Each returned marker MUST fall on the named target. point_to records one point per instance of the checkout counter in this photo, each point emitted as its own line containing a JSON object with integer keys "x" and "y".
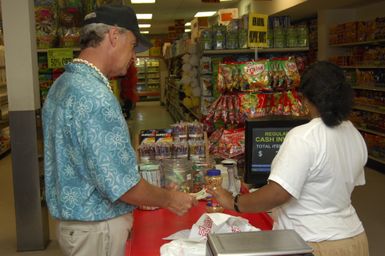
{"x": 150, "y": 227}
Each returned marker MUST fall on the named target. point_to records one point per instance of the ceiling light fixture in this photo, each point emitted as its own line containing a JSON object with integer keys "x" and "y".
{"x": 143, "y": 1}
{"x": 145, "y": 32}
{"x": 187, "y": 30}
{"x": 188, "y": 24}
{"x": 144, "y": 25}
{"x": 204, "y": 14}
{"x": 222, "y": 0}
{"x": 144, "y": 16}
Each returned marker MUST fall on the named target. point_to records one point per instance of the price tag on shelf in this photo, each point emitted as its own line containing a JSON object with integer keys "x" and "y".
{"x": 57, "y": 57}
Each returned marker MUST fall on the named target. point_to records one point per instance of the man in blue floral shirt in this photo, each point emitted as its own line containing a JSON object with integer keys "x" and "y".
{"x": 91, "y": 176}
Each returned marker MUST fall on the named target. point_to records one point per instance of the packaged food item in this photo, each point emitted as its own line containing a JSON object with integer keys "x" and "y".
{"x": 228, "y": 77}
{"x": 146, "y": 152}
{"x": 196, "y": 149}
{"x": 180, "y": 149}
{"x": 206, "y": 39}
{"x": 163, "y": 150}
{"x": 195, "y": 130}
{"x": 205, "y": 65}
{"x": 255, "y": 75}
{"x": 231, "y": 144}
{"x": 213, "y": 179}
{"x": 179, "y": 131}
{"x": 219, "y": 37}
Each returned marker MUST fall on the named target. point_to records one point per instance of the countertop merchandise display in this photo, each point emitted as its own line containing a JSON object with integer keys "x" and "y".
{"x": 364, "y": 66}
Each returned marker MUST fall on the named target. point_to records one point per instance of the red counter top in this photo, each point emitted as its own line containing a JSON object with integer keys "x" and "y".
{"x": 151, "y": 226}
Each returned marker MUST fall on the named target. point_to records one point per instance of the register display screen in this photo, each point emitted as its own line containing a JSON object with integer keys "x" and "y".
{"x": 266, "y": 143}
{"x": 263, "y": 138}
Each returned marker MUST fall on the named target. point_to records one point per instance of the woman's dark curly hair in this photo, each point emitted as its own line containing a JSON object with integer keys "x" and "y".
{"x": 325, "y": 86}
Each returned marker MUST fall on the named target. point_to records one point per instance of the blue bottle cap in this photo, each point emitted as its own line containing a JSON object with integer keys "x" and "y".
{"x": 214, "y": 172}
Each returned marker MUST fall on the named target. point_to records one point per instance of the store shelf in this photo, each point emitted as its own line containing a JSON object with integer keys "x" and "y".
{"x": 252, "y": 50}
{"x": 371, "y": 131}
{"x": 364, "y": 67}
{"x": 369, "y": 109}
{"x": 75, "y": 49}
{"x": 371, "y": 42}
{"x": 379, "y": 87}
{"x": 148, "y": 93}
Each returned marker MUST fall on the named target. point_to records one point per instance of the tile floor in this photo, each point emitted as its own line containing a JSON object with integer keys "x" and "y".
{"x": 369, "y": 200}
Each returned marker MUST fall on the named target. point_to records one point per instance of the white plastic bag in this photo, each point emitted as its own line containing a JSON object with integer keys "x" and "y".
{"x": 193, "y": 242}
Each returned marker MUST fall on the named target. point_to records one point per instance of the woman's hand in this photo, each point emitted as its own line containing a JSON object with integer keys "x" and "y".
{"x": 224, "y": 197}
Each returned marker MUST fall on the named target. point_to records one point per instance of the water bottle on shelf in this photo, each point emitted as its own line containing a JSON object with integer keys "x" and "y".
{"x": 213, "y": 178}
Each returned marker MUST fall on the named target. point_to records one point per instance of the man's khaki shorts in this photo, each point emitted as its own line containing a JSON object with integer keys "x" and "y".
{"x": 104, "y": 238}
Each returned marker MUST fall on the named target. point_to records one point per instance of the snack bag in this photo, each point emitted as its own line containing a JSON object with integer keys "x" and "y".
{"x": 228, "y": 77}
{"x": 255, "y": 75}
{"x": 293, "y": 78}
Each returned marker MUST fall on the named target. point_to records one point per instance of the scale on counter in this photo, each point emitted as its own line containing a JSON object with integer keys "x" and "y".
{"x": 257, "y": 243}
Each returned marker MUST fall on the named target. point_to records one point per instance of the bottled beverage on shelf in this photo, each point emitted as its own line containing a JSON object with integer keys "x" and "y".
{"x": 213, "y": 178}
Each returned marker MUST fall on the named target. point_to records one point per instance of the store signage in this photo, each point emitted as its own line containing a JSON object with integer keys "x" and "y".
{"x": 58, "y": 57}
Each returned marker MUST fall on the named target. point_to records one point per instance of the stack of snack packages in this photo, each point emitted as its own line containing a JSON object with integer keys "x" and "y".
{"x": 184, "y": 140}
{"x": 250, "y": 89}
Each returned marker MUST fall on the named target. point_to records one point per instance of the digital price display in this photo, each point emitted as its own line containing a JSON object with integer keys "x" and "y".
{"x": 263, "y": 139}
{"x": 266, "y": 144}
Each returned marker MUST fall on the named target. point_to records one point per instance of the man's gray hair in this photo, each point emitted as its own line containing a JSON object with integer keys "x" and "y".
{"x": 92, "y": 35}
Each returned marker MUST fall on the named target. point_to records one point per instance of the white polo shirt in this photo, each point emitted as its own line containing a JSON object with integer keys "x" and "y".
{"x": 320, "y": 166}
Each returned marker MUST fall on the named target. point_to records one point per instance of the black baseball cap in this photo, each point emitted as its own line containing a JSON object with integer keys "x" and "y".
{"x": 121, "y": 16}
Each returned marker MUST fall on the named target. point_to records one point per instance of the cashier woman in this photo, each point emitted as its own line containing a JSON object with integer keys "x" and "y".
{"x": 315, "y": 171}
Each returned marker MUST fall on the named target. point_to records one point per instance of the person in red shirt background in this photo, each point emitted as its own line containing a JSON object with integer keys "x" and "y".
{"x": 128, "y": 92}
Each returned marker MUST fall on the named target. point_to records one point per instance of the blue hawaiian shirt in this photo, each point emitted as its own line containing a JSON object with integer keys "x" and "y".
{"x": 88, "y": 158}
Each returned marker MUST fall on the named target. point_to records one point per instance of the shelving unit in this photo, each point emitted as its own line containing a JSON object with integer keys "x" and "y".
{"x": 373, "y": 132}
{"x": 253, "y": 50}
{"x": 148, "y": 78}
{"x": 5, "y": 145}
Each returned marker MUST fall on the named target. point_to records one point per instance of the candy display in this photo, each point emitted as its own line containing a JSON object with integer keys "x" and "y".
{"x": 224, "y": 112}
{"x": 200, "y": 168}
{"x": 177, "y": 174}
{"x": 46, "y": 24}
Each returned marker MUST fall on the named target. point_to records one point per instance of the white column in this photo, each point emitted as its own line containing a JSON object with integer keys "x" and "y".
{"x": 24, "y": 101}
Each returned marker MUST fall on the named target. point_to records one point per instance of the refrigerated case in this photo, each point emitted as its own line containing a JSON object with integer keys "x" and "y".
{"x": 148, "y": 78}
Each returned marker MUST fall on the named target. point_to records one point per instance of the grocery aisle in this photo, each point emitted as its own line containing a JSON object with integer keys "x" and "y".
{"x": 368, "y": 200}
